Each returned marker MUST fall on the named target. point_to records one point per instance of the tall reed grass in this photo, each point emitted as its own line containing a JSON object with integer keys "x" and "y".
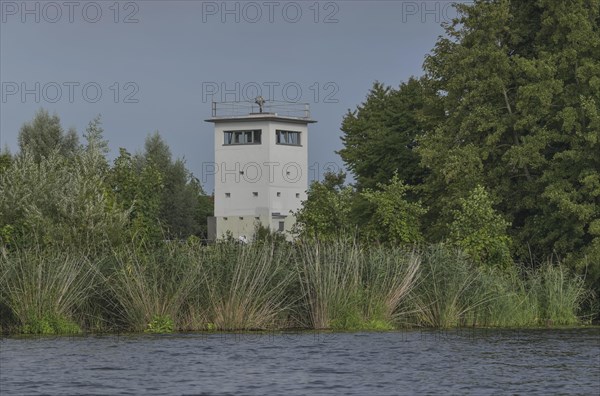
{"x": 330, "y": 283}
{"x": 150, "y": 285}
{"x": 347, "y": 287}
{"x": 46, "y": 289}
{"x": 274, "y": 285}
{"x": 452, "y": 291}
{"x": 244, "y": 286}
{"x": 389, "y": 275}
{"x": 511, "y": 301}
{"x": 559, "y": 294}
{"x": 449, "y": 289}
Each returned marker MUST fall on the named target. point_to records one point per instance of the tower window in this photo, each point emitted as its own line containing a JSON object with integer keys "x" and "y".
{"x": 255, "y": 194}
{"x": 242, "y": 137}
{"x": 278, "y": 194}
{"x": 297, "y": 195}
{"x": 227, "y": 195}
{"x": 291, "y": 138}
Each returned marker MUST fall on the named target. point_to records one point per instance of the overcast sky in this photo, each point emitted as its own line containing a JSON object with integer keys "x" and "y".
{"x": 149, "y": 65}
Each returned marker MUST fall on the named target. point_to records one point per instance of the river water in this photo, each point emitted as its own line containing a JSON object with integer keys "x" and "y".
{"x": 478, "y": 362}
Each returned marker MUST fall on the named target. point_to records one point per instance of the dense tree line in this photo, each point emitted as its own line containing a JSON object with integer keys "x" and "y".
{"x": 57, "y": 191}
{"x": 495, "y": 148}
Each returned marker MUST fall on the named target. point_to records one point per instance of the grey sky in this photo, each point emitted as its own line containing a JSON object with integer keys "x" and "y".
{"x": 177, "y": 50}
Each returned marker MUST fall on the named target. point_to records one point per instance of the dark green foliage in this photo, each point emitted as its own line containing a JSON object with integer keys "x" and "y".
{"x": 395, "y": 219}
{"x": 183, "y": 205}
{"x": 386, "y": 215}
{"x": 380, "y": 136}
{"x": 520, "y": 85}
{"x": 56, "y": 191}
{"x": 326, "y": 211}
{"x": 264, "y": 234}
{"x": 58, "y": 201}
{"x": 160, "y": 325}
{"x": 509, "y": 101}
{"x": 481, "y": 232}
{"x": 138, "y": 189}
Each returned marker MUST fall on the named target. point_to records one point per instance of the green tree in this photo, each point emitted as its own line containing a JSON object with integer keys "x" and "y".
{"x": 380, "y": 136}
{"x": 59, "y": 201}
{"x": 44, "y": 135}
{"x": 6, "y": 159}
{"x": 94, "y": 136}
{"x": 480, "y": 231}
{"x": 394, "y": 219}
{"x": 139, "y": 191}
{"x": 184, "y": 206}
{"x": 180, "y": 201}
{"x": 519, "y": 83}
{"x": 326, "y": 211}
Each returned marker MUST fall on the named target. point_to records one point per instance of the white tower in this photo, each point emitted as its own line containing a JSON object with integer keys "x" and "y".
{"x": 261, "y": 166}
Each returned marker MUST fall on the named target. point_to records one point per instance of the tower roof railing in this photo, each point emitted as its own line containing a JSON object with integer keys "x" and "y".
{"x": 278, "y": 108}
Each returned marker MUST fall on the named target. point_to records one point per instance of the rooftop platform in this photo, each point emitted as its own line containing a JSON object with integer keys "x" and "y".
{"x": 269, "y": 110}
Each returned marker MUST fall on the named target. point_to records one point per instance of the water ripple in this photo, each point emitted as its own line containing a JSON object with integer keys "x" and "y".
{"x": 479, "y": 362}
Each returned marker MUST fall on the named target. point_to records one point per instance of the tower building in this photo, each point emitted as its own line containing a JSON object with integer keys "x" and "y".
{"x": 261, "y": 166}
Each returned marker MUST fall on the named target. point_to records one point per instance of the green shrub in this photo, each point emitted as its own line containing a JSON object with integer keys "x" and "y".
{"x": 160, "y": 325}
{"x": 480, "y": 231}
{"x": 50, "y": 325}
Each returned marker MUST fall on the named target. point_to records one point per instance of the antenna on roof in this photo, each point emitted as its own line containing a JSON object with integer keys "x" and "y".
{"x": 260, "y": 102}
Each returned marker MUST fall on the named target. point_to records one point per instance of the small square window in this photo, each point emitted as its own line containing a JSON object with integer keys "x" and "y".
{"x": 227, "y": 195}
{"x": 255, "y": 194}
{"x": 281, "y": 226}
{"x": 297, "y": 195}
{"x": 257, "y": 218}
{"x": 278, "y": 194}
{"x": 241, "y": 218}
{"x": 225, "y": 218}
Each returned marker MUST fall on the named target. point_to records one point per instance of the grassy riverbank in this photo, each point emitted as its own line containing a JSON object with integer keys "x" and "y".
{"x": 311, "y": 285}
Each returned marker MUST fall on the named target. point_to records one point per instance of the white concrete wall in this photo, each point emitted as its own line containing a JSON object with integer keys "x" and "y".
{"x": 278, "y": 173}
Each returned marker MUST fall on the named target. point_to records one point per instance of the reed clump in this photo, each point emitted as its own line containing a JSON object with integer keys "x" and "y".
{"x": 243, "y": 286}
{"x": 346, "y": 286}
{"x": 340, "y": 285}
{"x": 448, "y": 291}
{"x": 45, "y": 289}
{"x": 559, "y": 294}
{"x": 150, "y": 285}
